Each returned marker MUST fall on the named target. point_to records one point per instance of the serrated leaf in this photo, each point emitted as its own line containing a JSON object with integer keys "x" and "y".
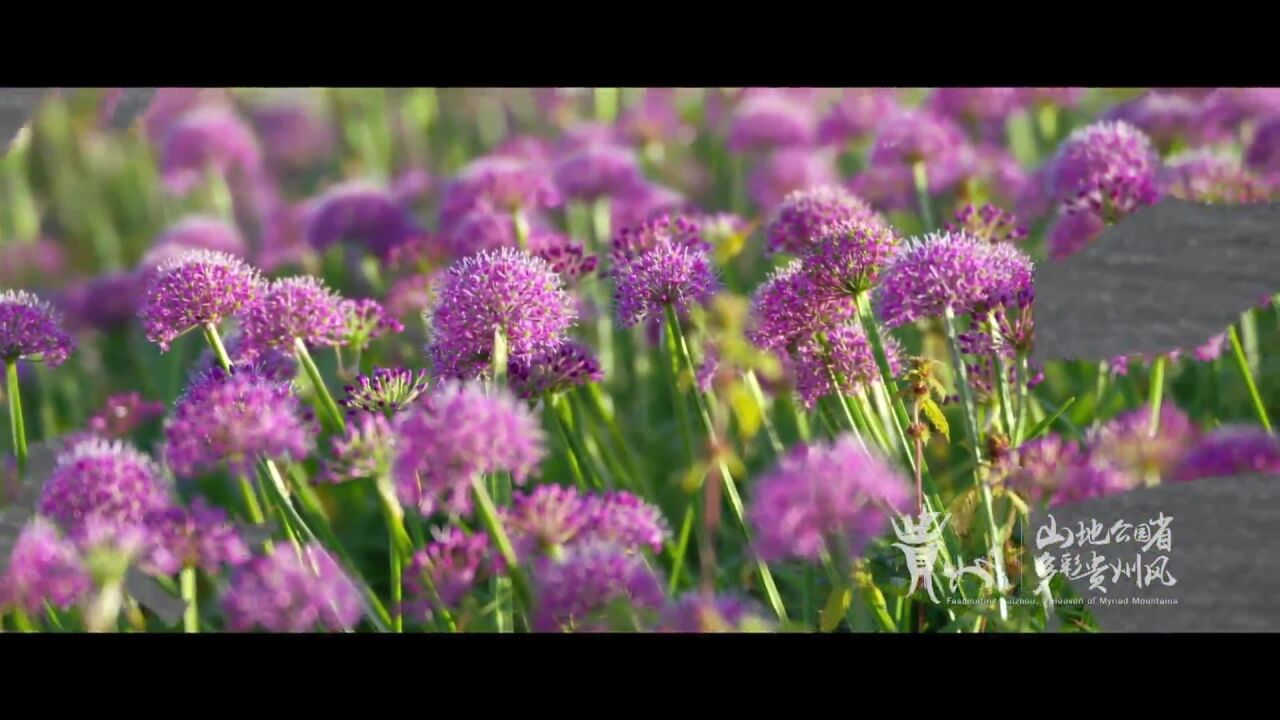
{"x": 963, "y": 510}
{"x": 837, "y": 606}
{"x": 937, "y": 386}
{"x": 936, "y": 417}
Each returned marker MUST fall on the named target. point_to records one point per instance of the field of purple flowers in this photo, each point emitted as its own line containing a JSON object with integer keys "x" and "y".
{"x": 587, "y": 360}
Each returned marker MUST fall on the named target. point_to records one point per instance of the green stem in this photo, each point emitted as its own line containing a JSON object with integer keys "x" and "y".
{"x": 1243, "y": 364}
{"x": 17, "y": 428}
{"x": 920, "y": 175}
{"x": 251, "y": 501}
{"x": 1022, "y": 376}
{"x": 971, "y": 433}
{"x": 1249, "y": 337}
{"x": 730, "y": 486}
{"x": 681, "y": 549}
{"x": 336, "y": 420}
{"x": 556, "y": 409}
{"x": 488, "y": 513}
{"x": 757, "y": 394}
{"x": 1155, "y": 396}
{"x": 522, "y": 229}
{"x": 191, "y": 616}
{"x": 215, "y": 342}
{"x": 400, "y": 548}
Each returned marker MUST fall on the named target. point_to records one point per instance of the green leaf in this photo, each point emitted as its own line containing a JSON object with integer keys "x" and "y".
{"x": 837, "y": 606}
{"x": 1043, "y": 425}
{"x": 963, "y": 509}
{"x": 936, "y": 418}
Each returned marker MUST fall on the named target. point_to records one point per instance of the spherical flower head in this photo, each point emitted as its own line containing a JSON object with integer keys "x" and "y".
{"x": 842, "y": 351}
{"x": 32, "y": 263}
{"x": 210, "y": 137}
{"x": 698, "y": 613}
{"x": 122, "y": 414}
{"x": 585, "y": 134}
{"x": 386, "y": 390}
{"x": 30, "y": 329}
{"x": 917, "y": 136}
{"x": 552, "y": 371}
{"x": 858, "y": 112}
{"x": 1036, "y": 469}
{"x": 296, "y": 308}
{"x": 632, "y": 241}
{"x": 412, "y": 294}
{"x": 199, "y": 288}
{"x": 546, "y": 520}
{"x": 1092, "y": 478}
{"x": 505, "y": 291}
{"x": 996, "y": 170}
{"x": 454, "y": 563}
{"x": 1225, "y": 110}
{"x": 200, "y": 232}
{"x": 825, "y": 493}
{"x": 1072, "y": 232}
{"x": 670, "y": 275}
{"x": 643, "y": 202}
{"x": 1230, "y": 451}
{"x": 44, "y": 567}
{"x": 626, "y": 520}
{"x": 847, "y": 261}
{"x": 1211, "y": 177}
{"x": 807, "y": 216}
{"x": 654, "y": 119}
{"x": 362, "y": 213}
{"x": 104, "y": 302}
{"x": 573, "y": 592}
{"x": 598, "y": 170}
{"x": 456, "y": 432}
{"x": 790, "y": 170}
{"x": 235, "y": 418}
{"x": 100, "y": 478}
{"x": 789, "y": 307}
{"x": 366, "y": 320}
{"x": 890, "y": 188}
{"x": 296, "y": 132}
{"x": 480, "y": 228}
{"x": 1263, "y": 153}
{"x": 976, "y": 104}
{"x": 1125, "y": 440}
{"x": 363, "y": 451}
{"x": 1165, "y": 117}
{"x": 282, "y": 592}
{"x": 1097, "y": 153}
{"x": 503, "y": 183}
{"x": 989, "y": 223}
{"x": 944, "y": 272}
{"x": 771, "y": 120}
{"x": 199, "y": 536}
{"x": 565, "y": 255}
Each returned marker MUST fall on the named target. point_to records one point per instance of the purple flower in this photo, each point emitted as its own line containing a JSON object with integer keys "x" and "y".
{"x": 948, "y": 272}
{"x": 698, "y": 613}
{"x": 553, "y": 517}
{"x": 198, "y": 288}
{"x": 411, "y": 295}
{"x": 1210, "y": 177}
{"x": 585, "y": 134}
{"x": 32, "y": 263}
{"x": 296, "y": 131}
{"x": 820, "y": 494}
{"x": 454, "y": 564}
{"x": 502, "y": 183}
{"x": 366, "y": 319}
{"x": 989, "y": 223}
{"x": 283, "y": 240}
{"x": 1072, "y": 232}
{"x": 858, "y": 112}
{"x": 919, "y": 136}
{"x": 362, "y": 213}
{"x": 626, "y": 520}
{"x": 1106, "y": 160}
{"x": 199, "y": 232}
{"x": 598, "y": 170}
{"x": 363, "y": 451}
{"x": 790, "y": 170}
{"x": 1061, "y": 96}
{"x": 209, "y": 138}
{"x": 236, "y": 419}
{"x": 574, "y": 591}
{"x": 997, "y": 170}
{"x": 479, "y": 229}
{"x": 643, "y": 202}
{"x": 1165, "y": 117}
{"x": 807, "y": 216}
{"x": 789, "y": 307}
{"x": 565, "y": 255}
{"x": 506, "y": 291}
{"x": 458, "y": 431}
{"x": 848, "y": 258}
{"x": 1089, "y": 479}
{"x": 771, "y": 120}
{"x": 1036, "y": 469}
{"x": 1226, "y": 111}
{"x": 30, "y": 329}
{"x": 1263, "y": 153}
{"x": 669, "y": 275}
{"x": 296, "y": 308}
{"x": 104, "y": 302}
{"x": 199, "y": 536}
{"x": 122, "y": 414}
{"x": 44, "y": 567}
{"x": 99, "y": 478}
{"x": 553, "y": 371}
{"x": 842, "y": 351}
{"x": 632, "y": 241}
{"x": 282, "y": 592}
{"x": 1230, "y": 451}
{"x": 976, "y": 105}
{"x": 412, "y": 186}
{"x": 1124, "y": 441}
{"x": 386, "y": 390}
{"x": 654, "y": 119}
{"x": 890, "y": 187}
